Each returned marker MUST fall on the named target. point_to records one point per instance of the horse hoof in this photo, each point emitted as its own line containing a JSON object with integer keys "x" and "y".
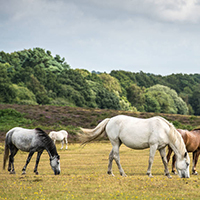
{"x": 149, "y": 175}
{"x": 23, "y": 172}
{"x": 110, "y": 173}
{"x": 12, "y": 172}
{"x": 195, "y": 173}
{"x": 36, "y": 173}
{"x": 168, "y": 176}
{"x": 124, "y": 175}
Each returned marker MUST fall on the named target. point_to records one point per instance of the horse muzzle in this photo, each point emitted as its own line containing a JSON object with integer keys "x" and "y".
{"x": 57, "y": 172}
{"x": 185, "y": 175}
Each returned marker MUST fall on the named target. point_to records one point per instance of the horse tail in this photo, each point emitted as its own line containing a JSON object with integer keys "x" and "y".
{"x": 92, "y": 134}
{"x": 6, "y": 154}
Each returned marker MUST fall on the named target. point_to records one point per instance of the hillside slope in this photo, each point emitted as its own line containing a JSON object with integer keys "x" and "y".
{"x": 47, "y": 115}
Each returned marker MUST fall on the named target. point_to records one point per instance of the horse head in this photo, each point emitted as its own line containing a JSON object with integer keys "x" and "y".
{"x": 55, "y": 164}
{"x": 182, "y": 166}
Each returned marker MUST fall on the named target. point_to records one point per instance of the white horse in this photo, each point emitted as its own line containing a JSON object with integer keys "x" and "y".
{"x": 154, "y": 133}
{"x": 59, "y": 136}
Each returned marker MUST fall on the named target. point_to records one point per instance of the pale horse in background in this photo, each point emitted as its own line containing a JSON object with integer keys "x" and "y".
{"x": 59, "y": 136}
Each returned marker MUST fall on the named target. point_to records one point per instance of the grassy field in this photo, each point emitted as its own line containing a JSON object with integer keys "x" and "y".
{"x": 83, "y": 176}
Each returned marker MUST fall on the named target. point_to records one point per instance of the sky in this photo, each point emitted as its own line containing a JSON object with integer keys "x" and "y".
{"x": 153, "y": 36}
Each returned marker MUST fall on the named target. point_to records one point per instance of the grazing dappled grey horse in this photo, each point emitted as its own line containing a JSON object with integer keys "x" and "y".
{"x": 136, "y": 133}
{"x": 30, "y": 140}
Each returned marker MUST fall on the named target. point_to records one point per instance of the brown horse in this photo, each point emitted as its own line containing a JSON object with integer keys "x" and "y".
{"x": 192, "y": 143}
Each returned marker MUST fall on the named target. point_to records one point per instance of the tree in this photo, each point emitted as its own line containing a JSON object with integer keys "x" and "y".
{"x": 106, "y": 99}
{"x": 72, "y": 95}
{"x": 110, "y": 83}
{"x": 101, "y": 97}
{"x": 39, "y": 90}
{"x": 126, "y": 105}
{"x": 166, "y": 103}
{"x": 51, "y": 82}
{"x": 151, "y": 103}
{"x": 194, "y": 100}
{"x": 135, "y": 96}
{"x": 168, "y": 99}
{"x": 7, "y": 93}
{"x": 74, "y": 79}
{"x": 24, "y": 95}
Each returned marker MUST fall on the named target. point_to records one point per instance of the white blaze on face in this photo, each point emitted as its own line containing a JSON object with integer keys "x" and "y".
{"x": 182, "y": 167}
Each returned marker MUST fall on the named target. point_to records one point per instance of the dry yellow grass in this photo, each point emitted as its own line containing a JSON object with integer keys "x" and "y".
{"x": 83, "y": 176}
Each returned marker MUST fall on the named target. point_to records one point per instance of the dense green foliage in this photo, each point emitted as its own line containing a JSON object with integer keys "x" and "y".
{"x": 10, "y": 118}
{"x": 34, "y": 77}
{"x": 184, "y": 85}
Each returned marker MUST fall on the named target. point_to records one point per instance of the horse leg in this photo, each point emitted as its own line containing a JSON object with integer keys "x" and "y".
{"x": 27, "y": 161}
{"x": 151, "y": 157}
{"x": 66, "y": 143}
{"x": 173, "y": 164}
{"x": 13, "y": 151}
{"x": 37, "y": 162}
{"x": 114, "y": 154}
{"x": 62, "y": 142}
{"x": 164, "y": 160}
{"x": 111, "y": 157}
{"x": 117, "y": 160}
{"x": 195, "y": 159}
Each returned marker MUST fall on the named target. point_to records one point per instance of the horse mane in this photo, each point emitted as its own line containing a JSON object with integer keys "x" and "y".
{"x": 175, "y": 138}
{"x": 46, "y": 140}
{"x": 196, "y": 129}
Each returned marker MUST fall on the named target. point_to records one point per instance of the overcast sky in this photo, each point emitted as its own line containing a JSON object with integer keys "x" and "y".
{"x": 153, "y": 36}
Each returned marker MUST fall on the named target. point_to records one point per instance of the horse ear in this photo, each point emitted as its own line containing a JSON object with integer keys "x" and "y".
{"x": 185, "y": 155}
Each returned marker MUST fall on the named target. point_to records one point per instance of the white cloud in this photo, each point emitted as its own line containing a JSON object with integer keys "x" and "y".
{"x": 180, "y": 11}
{"x": 170, "y": 10}
{"x": 133, "y": 35}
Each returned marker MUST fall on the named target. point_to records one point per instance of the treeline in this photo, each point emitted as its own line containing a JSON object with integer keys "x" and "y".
{"x": 34, "y": 77}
